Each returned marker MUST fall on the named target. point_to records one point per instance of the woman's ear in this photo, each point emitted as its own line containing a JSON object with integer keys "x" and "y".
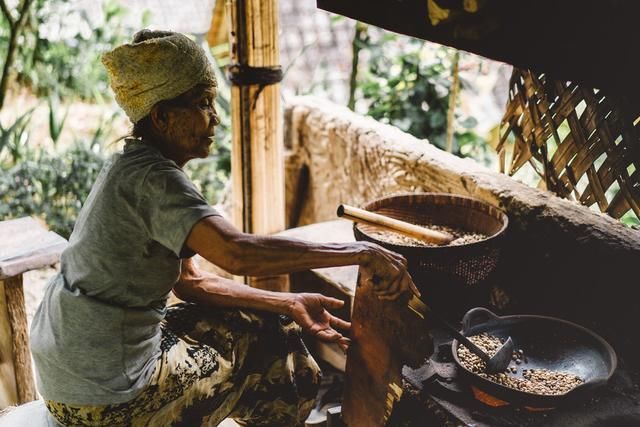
{"x": 159, "y": 117}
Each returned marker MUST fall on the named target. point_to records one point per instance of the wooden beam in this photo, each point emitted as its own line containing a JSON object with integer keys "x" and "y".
{"x": 8, "y": 388}
{"x": 17, "y": 357}
{"x": 21, "y": 351}
{"x": 257, "y": 164}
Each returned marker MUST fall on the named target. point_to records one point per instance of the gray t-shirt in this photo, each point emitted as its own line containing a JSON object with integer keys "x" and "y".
{"x": 96, "y": 335}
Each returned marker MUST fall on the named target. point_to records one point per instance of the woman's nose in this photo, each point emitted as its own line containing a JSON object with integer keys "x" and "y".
{"x": 215, "y": 117}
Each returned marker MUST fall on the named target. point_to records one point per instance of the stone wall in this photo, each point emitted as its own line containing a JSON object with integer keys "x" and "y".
{"x": 559, "y": 258}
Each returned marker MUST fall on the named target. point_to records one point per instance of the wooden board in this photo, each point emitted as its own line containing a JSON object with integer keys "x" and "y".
{"x": 344, "y": 278}
{"x": 25, "y": 244}
{"x": 385, "y": 336}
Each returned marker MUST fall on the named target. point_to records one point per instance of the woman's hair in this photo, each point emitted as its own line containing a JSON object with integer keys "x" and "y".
{"x": 143, "y": 128}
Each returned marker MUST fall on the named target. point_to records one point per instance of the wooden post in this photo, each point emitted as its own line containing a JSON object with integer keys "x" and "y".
{"x": 257, "y": 161}
{"x": 25, "y": 244}
{"x": 8, "y": 388}
{"x": 17, "y": 357}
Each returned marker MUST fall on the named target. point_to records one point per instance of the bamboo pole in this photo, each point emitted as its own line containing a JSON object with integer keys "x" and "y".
{"x": 453, "y": 99}
{"x": 392, "y": 224}
{"x": 257, "y": 165}
{"x": 219, "y": 30}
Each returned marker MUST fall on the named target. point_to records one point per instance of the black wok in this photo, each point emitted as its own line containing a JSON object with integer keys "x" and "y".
{"x": 547, "y": 342}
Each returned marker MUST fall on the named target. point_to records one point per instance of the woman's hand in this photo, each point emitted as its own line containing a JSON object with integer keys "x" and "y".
{"x": 310, "y": 312}
{"x": 387, "y": 272}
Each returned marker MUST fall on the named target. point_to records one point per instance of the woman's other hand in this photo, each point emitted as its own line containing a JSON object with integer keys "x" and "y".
{"x": 310, "y": 311}
{"x": 387, "y": 273}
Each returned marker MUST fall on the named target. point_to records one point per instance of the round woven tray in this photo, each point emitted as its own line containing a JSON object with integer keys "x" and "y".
{"x": 443, "y": 270}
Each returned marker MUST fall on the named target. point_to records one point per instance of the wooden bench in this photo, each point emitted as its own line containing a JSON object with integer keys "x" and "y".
{"x": 337, "y": 282}
{"x": 25, "y": 244}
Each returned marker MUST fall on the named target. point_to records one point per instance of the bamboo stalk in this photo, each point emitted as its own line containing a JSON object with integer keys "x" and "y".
{"x": 257, "y": 135}
{"x": 453, "y": 99}
{"x": 402, "y": 227}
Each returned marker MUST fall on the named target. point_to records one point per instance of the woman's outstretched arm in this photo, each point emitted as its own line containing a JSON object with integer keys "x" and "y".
{"x": 310, "y": 311}
{"x": 218, "y": 241}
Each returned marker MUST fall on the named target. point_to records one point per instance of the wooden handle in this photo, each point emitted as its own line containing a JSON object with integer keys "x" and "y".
{"x": 411, "y": 230}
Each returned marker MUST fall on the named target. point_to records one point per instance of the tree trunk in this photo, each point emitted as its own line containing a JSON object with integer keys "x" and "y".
{"x": 15, "y": 28}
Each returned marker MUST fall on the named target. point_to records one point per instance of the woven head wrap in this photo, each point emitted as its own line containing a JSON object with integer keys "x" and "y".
{"x": 156, "y": 66}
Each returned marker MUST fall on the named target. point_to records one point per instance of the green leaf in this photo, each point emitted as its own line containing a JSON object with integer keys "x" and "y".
{"x": 468, "y": 123}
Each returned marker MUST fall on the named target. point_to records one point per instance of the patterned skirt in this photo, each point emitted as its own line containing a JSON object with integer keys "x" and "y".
{"x": 216, "y": 364}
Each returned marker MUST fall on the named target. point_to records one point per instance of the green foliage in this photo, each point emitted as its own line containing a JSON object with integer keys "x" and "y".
{"x": 407, "y": 84}
{"x": 56, "y": 123}
{"x": 14, "y": 140}
{"x": 211, "y": 174}
{"x": 51, "y": 186}
{"x": 61, "y": 60}
{"x": 631, "y": 220}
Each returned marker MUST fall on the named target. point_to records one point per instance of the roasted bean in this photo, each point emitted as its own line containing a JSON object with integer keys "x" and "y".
{"x": 536, "y": 381}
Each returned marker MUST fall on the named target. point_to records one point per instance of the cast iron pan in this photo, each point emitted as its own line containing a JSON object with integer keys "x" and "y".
{"x": 547, "y": 342}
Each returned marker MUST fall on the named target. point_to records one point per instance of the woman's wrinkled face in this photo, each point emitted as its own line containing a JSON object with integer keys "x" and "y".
{"x": 189, "y": 124}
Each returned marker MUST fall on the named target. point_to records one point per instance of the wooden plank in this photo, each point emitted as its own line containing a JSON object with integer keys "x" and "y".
{"x": 26, "y": 245}
{"x": 343, "y": 279}
{"x": 14, "y": 297}
{"x": 8, "y": 388}
{"x": 385, "y": 336}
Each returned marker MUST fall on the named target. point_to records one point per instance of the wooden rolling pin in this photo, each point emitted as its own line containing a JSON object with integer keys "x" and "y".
{"x": 408, "y": 229}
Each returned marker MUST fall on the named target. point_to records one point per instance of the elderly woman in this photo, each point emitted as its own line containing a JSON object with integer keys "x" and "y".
{"x": 108, "y": 349}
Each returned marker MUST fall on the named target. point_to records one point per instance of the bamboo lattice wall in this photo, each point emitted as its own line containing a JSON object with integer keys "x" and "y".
{"x": 579, "y": 141}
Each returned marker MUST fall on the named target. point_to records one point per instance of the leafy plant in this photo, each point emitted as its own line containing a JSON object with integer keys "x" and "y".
{"x": 407, "y": 83}
{"x": 51, "y": 186}
{"x": 14, "y": 140}
{"x": 56, "y": 123}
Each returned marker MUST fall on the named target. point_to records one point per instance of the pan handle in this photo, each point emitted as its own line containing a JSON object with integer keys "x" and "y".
{"x": 477, "y": 316}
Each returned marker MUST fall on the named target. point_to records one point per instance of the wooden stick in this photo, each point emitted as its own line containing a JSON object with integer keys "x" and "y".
{"x": 411, "y": 230}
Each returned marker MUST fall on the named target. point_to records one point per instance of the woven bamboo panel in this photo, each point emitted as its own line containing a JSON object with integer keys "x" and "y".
{"x": 577, "y": 139}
